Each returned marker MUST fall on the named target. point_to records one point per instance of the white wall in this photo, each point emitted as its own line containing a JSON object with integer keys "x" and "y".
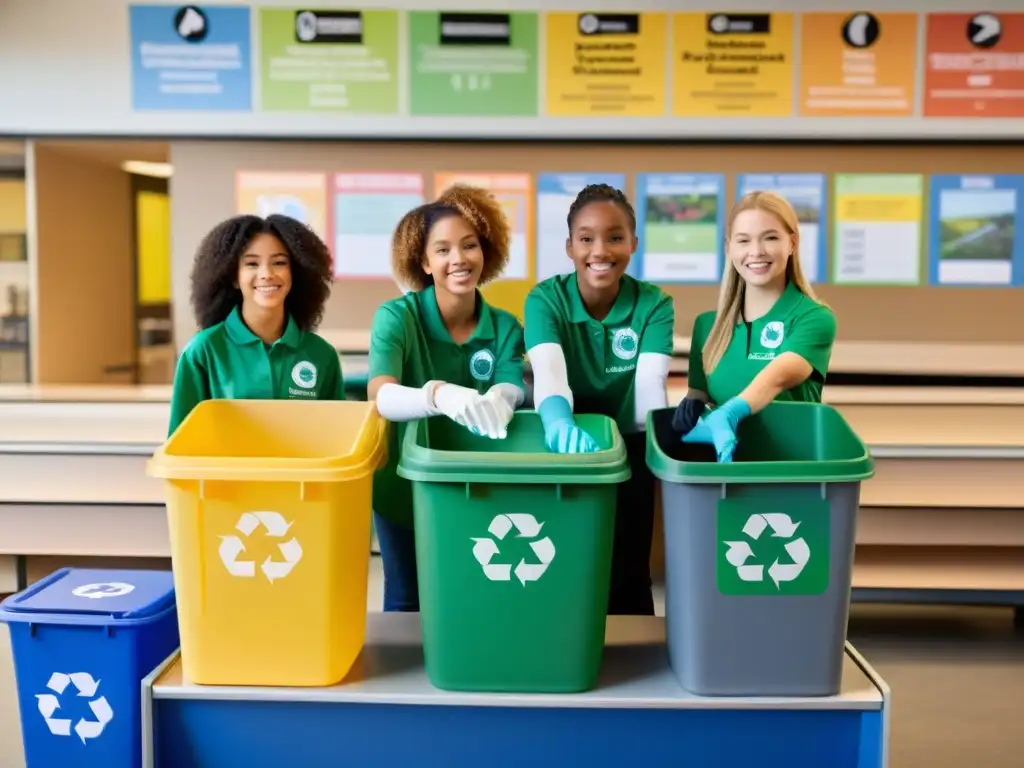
{"x": 65, "y": 70}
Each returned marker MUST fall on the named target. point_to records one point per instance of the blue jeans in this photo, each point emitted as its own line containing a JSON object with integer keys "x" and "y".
{"x": 398, "y": 554}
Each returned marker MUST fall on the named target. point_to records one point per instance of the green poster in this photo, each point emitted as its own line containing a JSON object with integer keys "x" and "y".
{"x": 473, "y": 63}
{"x": 779, "y": 551}
{"x": 332, "y": 61}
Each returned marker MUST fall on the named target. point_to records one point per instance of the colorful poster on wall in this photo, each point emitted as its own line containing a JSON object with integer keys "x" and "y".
{"x": 606, "y": 64}
{"x": 858, "y": 64}
{"x": 730, "y": 64}
{"x": 555, "y": 193}
{"x": 367, "y": 208}
{"x": 334, "y": 61}
{"x": 973, "y": 236}
{"x": 974, "y": 65}
{"x": 681, "y": 217}
{"x": 514, "y": 191}
{"x": 806, "y": 193}
{"x": 302, "y": 196}
{"x": 473, "y": 63}
{"x": 190, "y": 58}
{"x": 878, "y": 229}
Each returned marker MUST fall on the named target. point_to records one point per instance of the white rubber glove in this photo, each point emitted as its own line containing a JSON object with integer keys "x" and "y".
{"x": 486, "y": 415}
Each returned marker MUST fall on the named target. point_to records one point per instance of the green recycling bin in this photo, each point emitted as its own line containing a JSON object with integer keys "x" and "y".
{"x": 513, "y": 548}
{"x": 759, "y": 551}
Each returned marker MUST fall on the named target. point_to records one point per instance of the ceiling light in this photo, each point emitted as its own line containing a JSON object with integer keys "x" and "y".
{"x": 143, "y": 168}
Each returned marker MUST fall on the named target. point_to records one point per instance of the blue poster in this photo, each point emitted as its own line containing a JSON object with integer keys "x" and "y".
{"x": 806, "y": 192}
{"x": 680, "y": 217}
{"x": 555, "y": 193}
{"x": 191, "y": 58}
{"x": 973, "y": 236}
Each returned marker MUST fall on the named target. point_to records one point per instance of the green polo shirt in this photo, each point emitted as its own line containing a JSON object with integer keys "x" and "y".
{"x": 410, "y": 342}
{"x": 600, "y": 355}
{"x": 228, "y": 361}
{"x": 795, "y": 323}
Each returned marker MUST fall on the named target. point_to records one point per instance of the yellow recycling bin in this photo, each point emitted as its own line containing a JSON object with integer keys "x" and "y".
{"x": 269, "y": 503}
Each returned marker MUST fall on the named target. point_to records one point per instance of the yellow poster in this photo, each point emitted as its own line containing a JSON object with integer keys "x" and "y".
{"x": 606, "y": 64}
{"x": 302, "y": 196}
{"x": 733, "y": 64}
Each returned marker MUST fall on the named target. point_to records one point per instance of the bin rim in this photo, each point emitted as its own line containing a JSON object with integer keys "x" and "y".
{"x": 852, "y": 470}
{"x": 12, "y": 613}
{"x": 333, "y": 469}
{"x": 427, "y": 465}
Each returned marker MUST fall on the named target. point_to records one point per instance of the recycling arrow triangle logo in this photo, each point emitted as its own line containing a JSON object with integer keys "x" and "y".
{"x": 83, "y": 684}
{"x": 232, "y": 549}
{"x": 487, "y": 550}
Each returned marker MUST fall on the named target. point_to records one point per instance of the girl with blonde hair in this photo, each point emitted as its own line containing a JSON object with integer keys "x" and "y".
{"x": 770, "y": 337}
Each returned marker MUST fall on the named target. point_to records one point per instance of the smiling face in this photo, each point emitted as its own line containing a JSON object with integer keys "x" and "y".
{"x": 601, "y": 244}
{"x": 454, "y": 256}
{"x": 759, "y": 247}
{"x": 265, "y": 274}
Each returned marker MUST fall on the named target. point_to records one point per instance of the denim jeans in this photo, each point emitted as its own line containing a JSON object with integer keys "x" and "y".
{"x": 630, "y": 592}
{"x": 398, "y": 554}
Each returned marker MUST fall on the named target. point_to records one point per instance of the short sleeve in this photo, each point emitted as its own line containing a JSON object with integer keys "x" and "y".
{"x": 812, "y": 336}
{"x": 191, "y": 387}
{"x": 695, "y": 376}
{"x": 334, "y": 382}
{"x": 658, "y": 335}
{"x": 387, "y": 344}
{"x": 541, "y": 324}
{"x": 508, "y": 368}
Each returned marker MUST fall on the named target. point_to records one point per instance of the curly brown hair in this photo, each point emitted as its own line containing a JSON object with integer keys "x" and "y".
{"x": 481, "y": 211}
{"x": 215, "y": 271}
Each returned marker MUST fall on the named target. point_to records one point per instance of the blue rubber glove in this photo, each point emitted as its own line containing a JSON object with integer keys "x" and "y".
{"x": 561, "y": 435}
{"x": 718, "y": 428}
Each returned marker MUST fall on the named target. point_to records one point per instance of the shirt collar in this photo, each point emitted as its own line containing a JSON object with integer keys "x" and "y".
{"x": 621, "y": 311}
{"x": 239, "y": 332}
{"x": 434, "y": 325}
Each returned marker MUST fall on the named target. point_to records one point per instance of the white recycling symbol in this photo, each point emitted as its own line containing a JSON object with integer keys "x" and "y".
{"x": 782, "y": 528}
{"x": 231, "y": 547}
{"x": 49, "y": 706}
{"x": 484, "y": 549}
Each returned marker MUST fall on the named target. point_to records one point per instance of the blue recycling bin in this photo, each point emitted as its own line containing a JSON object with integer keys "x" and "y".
{"x": 82, "y": 641}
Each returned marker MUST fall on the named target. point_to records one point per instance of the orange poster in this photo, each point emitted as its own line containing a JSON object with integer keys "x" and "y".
{"x": 974, "y": 65}
{"x": 858, "y": 64}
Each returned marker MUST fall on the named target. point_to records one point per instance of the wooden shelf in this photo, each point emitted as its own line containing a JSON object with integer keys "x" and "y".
{"x": 939, "y": 568}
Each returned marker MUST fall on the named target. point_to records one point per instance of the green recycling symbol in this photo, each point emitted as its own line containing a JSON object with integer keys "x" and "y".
{"x": 766, "y": 553}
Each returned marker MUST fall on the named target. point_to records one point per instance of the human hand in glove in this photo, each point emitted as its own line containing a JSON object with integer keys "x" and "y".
{"x": 561, "y": 435}
{"x": 718, "y": 428}
{"x": 486, "y": 415}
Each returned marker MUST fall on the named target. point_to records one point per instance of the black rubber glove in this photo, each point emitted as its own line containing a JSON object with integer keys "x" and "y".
{"x": 686, "y": 415}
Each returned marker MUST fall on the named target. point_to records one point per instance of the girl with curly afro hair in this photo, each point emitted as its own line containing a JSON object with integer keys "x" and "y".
{"x": 258, "y": 290}
{"x": 440, "y": 350}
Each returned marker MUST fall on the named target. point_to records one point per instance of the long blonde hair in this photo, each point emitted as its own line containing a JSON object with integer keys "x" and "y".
{"x": 730, "y": 296}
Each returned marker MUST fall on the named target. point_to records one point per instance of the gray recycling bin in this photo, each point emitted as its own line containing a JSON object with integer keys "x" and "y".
{"x": 759, "y": 551}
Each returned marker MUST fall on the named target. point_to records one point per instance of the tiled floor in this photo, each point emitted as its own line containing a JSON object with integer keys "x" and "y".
{"x": 957, "y": 676}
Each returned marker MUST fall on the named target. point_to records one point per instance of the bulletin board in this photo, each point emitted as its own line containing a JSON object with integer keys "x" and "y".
{"x": 204, "y": 192}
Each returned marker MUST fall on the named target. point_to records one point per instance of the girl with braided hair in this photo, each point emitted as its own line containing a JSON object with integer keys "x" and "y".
{"x": 600, "y": 341}
{"x": 440, "y": 350}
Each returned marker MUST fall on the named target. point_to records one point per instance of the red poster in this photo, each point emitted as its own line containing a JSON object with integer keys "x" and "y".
{"x": 974, "y": 65}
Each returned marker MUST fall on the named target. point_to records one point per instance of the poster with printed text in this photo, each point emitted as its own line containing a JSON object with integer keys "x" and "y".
{"x": 878, "y": 229}
{"x": 806, "y": 192}
{"x": 367, "y": 208}
{"x": 473, "y": 64}
{"x": 973, "y": 237}
{"x": 606, "y": 64}
{"x": 974, "y": 65}
{"x": 858, "y": 64}
{"x": 555, "y": 194}
{"x": 334, "y": 61}
{"x": 733, "y": 64}
{"x": 190, "y": 58}
{"x": 680, "y": 217}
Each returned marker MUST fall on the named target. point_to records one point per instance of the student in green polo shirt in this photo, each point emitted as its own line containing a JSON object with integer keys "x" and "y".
{"x": 258, "y": 289}
{"x": 440, "y": 350}
{"x": 770, "y": 338}
{"x": 600, "y": 341}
